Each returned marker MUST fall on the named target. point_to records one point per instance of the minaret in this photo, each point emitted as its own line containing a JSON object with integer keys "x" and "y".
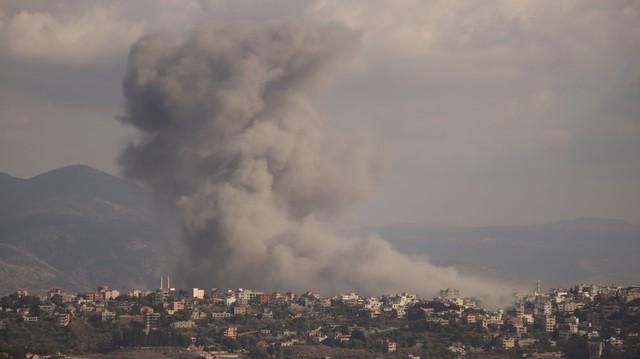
{"x": 168, "y": 283}
{"x": 161, "y": 287}
{"x": 538, "y": 288}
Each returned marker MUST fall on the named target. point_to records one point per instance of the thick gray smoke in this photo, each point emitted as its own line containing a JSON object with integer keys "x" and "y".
{"x": 229, "y": 135}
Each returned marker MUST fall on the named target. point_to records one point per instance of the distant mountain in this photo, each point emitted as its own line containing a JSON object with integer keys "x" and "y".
{"x": 73, "y": 190}
{"x": 8, "y": 180}
{"x": 77, "y": 227}
{"x": 559, "y": 253}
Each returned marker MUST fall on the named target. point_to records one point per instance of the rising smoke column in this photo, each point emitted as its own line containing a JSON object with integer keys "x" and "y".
{"x": 229, "y": 136}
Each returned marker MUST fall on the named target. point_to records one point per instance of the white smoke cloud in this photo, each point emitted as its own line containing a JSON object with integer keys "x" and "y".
{"x": 229, "y": 135}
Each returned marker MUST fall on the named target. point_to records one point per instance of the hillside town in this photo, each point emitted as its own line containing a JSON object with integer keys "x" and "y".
{"x": 585, "y": 321}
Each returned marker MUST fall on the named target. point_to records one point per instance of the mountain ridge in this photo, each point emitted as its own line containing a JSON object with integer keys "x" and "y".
{"x": 76, "y": 227}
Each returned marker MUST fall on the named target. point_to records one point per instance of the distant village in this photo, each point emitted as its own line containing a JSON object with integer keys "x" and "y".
{"x": 585, "y": 321}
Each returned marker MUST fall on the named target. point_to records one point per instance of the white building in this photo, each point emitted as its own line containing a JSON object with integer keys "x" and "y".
{"x": 346, "y": 297}
{"x": 198, "y": 293}
{"x": 230, "y": 300}
{"x": 111, "y": 294}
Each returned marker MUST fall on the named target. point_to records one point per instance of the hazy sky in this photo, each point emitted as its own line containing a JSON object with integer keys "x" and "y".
{"x": 487, "y": 112}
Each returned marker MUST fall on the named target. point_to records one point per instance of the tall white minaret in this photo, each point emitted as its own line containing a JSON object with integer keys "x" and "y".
{"x": 161, "y": 287}
{"x": 168, "y": 283}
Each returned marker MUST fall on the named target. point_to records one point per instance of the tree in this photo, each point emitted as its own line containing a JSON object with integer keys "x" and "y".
{"x": 577, "y": 348}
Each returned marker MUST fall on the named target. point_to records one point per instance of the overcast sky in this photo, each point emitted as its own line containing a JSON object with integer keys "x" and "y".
{"x": 487, "y": 112}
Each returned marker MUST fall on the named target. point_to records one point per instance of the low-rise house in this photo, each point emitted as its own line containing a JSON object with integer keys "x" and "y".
{"x": 220, "y": 315}
{"x": 470, "y": 319}
{"x": 288, "y": 343}
{"x": 92, "y": 296}
{"x": 527, "y": 342}
{"x": 567, "y": 307}
{"x": 520, "y": 329}
{"x": 546, "y": 322}
{"x": 631, "y": 293}
{"x": 267, "y": 314}
{"x": 240, "y": 310}
{"x": 457, "y": 350}
{"x": 108, "y": 316}
{"x": 151, "y": 321}
{"x": 391, "y": 346}
{"x": 198, "y": 293}
{"x": 198, "y": 315}
{"x": 231, "y": 332}
{"x": 62, "y": 319}
{"x": 87, "y": 308}
{"x": 111, "y": 294}
{"x": 317, "y": 338}
{"x": 507, "y": 343}
{"x": 185, "y": 324}
{"x": 177, "y": 305}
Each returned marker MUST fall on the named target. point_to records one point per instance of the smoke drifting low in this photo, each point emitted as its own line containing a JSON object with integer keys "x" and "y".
{"x": 229, "y": 135}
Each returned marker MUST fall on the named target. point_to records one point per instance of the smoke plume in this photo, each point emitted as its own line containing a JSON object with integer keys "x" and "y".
{"x": 229, "y": 135}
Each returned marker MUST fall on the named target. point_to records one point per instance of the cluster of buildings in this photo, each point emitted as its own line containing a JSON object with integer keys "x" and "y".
{"x": 540, "y": 319}
{"x": 584, "y": 311}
